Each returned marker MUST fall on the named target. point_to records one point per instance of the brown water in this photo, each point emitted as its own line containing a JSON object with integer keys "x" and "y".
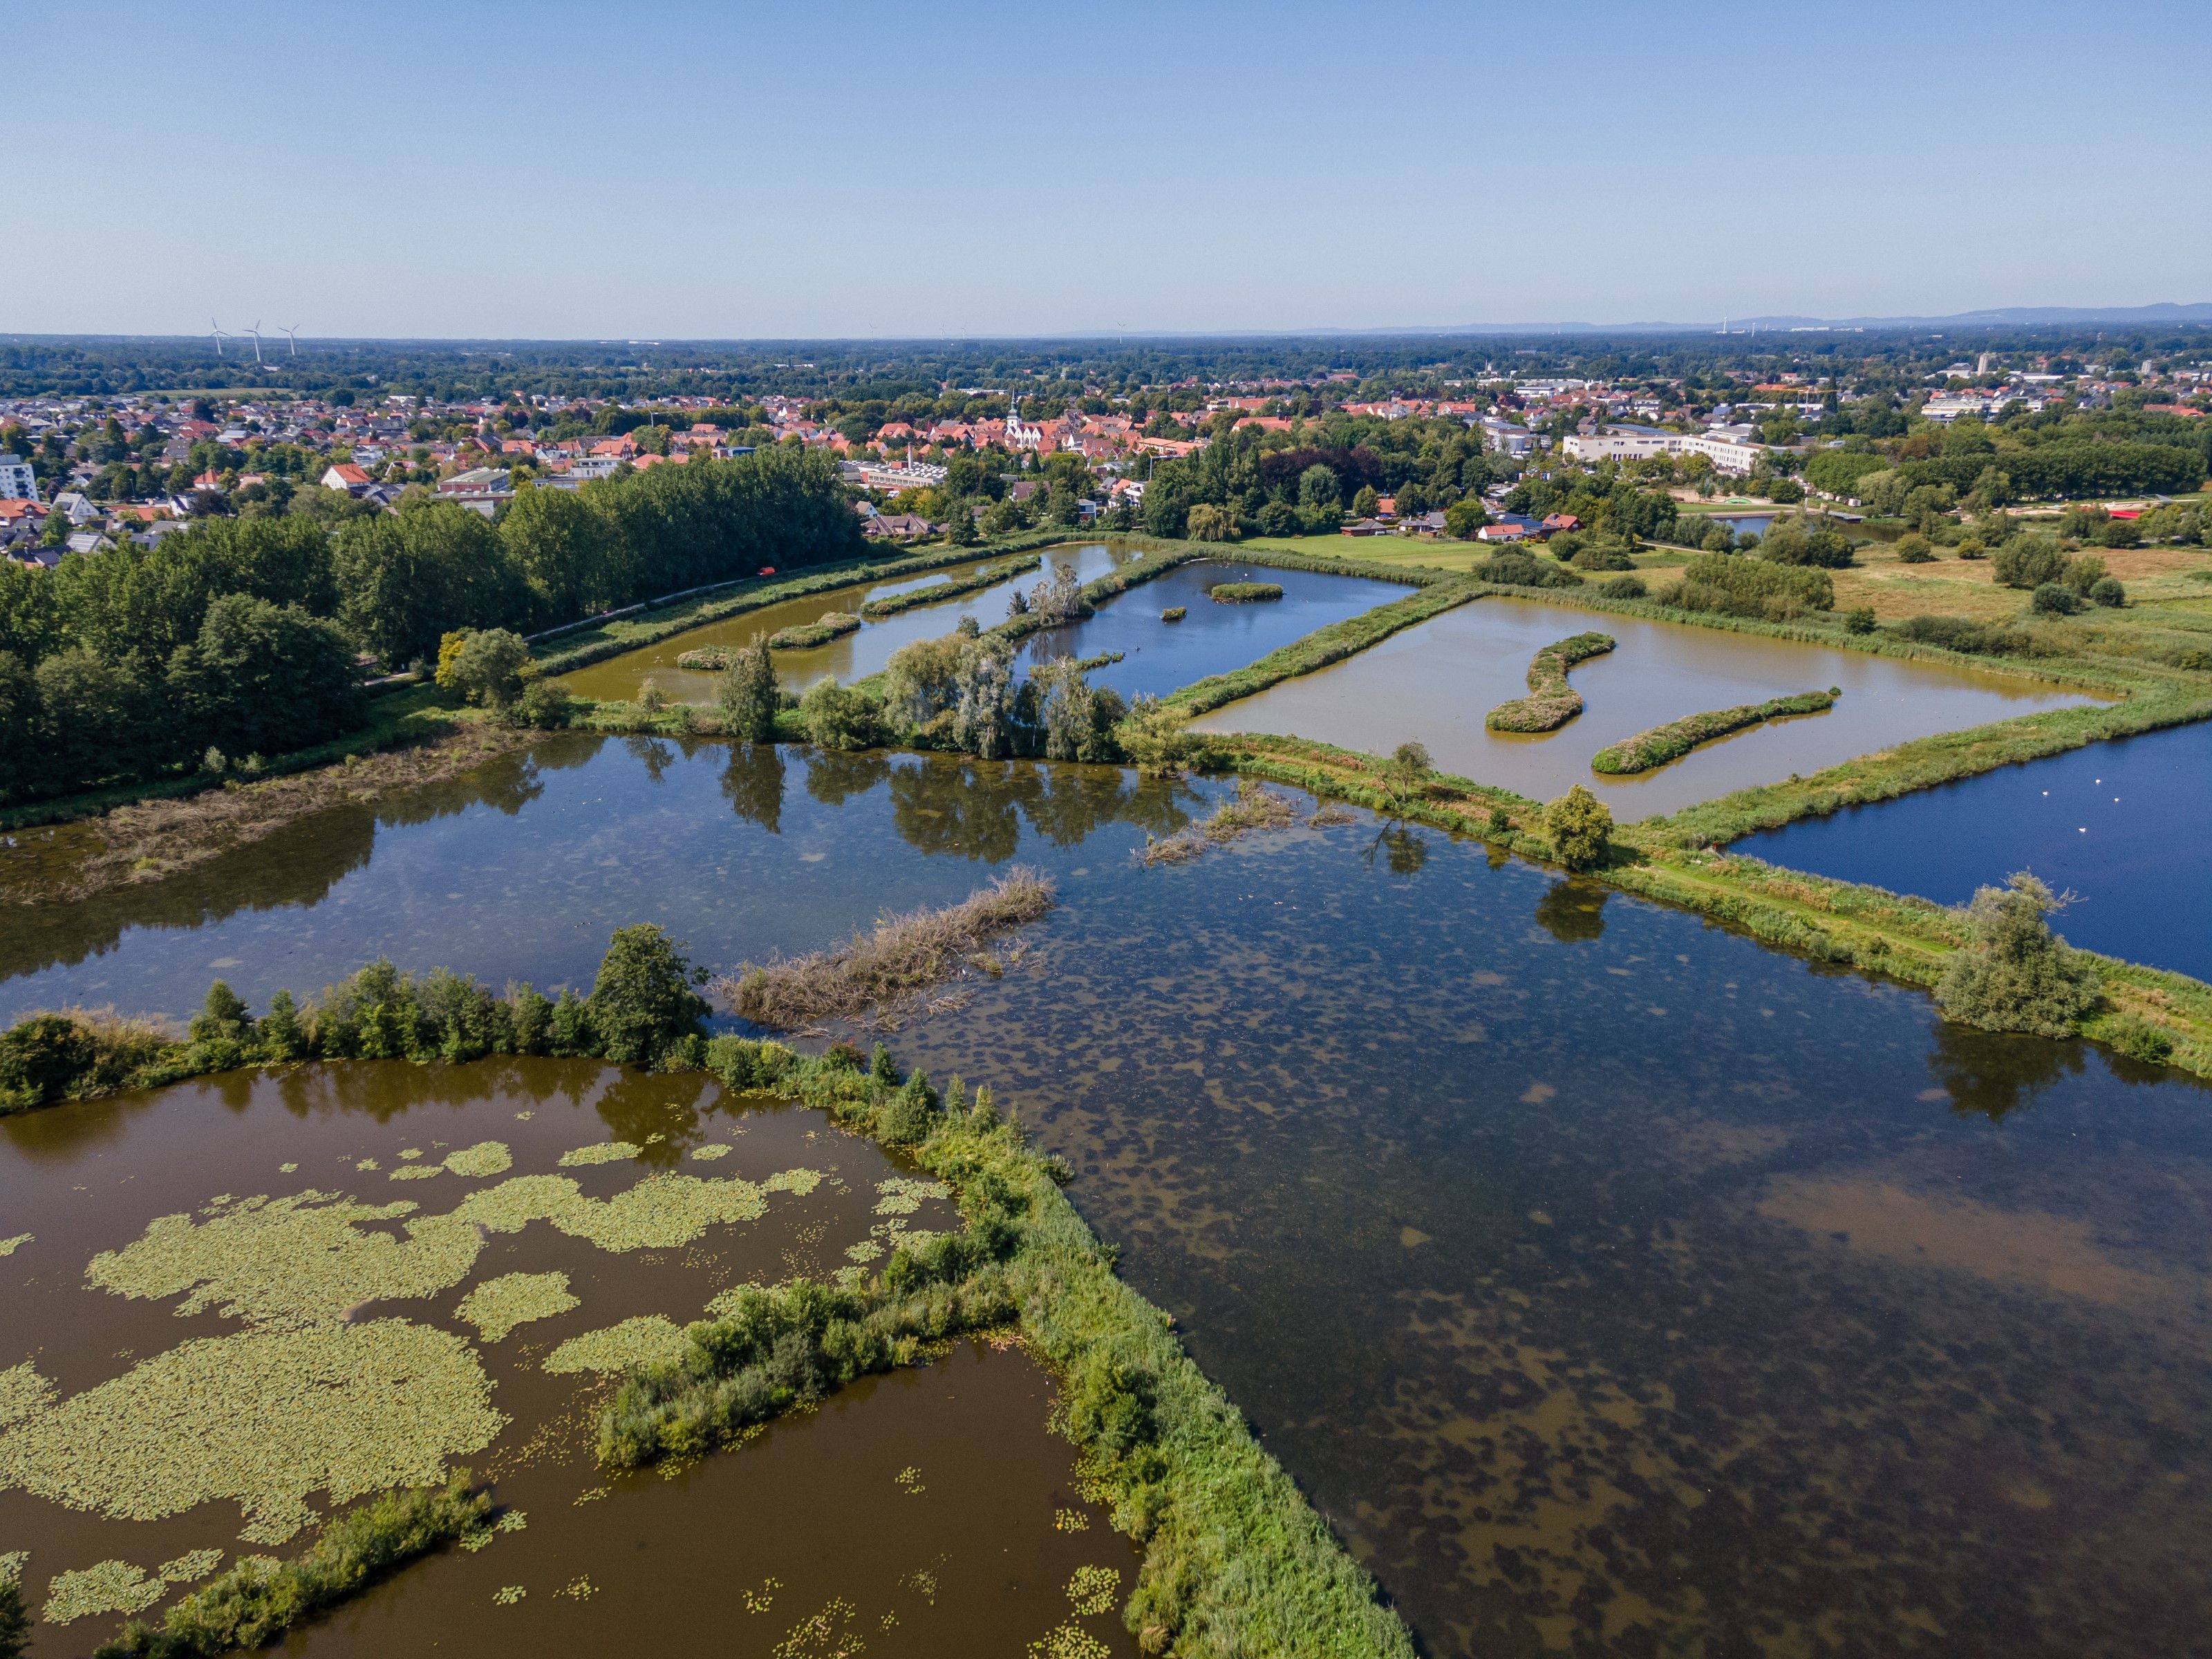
{"x": 1435, "y": 682}
{"x": 850, "y": 657}
{"x": 965, "y": 1545}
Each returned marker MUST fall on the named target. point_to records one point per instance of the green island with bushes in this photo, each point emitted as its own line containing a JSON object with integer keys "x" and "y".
{"x": 1243, "y": 592}
{"x": 1235, "y": 1561}
{"x": 1551, "y": 703}
{"x": 1658, "y": 745}
{"x": 807, "y": 636}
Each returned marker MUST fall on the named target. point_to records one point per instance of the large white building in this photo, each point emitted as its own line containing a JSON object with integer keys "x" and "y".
{"x": 1730, "y": 449}
{"x": 17, "y": 482}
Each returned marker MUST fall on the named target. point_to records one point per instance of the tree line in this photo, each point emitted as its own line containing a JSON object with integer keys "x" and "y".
{"x": 248, "y": 637}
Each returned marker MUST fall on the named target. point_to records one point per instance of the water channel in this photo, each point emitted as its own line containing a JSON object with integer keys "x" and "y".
{"x": 1433, "y": 683}
{"x": 2108, "y": 823}
{"x": 1612, "y": 1283}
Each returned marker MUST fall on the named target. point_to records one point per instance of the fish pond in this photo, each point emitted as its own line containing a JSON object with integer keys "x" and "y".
{"x": 346, "y": 1277}
{"x": 854, "y": 655}
{"x": 2111, "y": 824}
{"x": 1612, "y": 1283}
{"x": 1434, "y": 683}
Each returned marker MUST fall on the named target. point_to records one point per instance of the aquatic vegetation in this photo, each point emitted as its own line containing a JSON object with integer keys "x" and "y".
{"x": 762, "y": 1600}
{"x": 1676, "y": 738}
{"x": 1069, "y": 1642}
{"x": 903, "y": 957}
{"x": 261, "y": 1419}
{"x": 1070, "y": 1520}
{"x": 908, "y": 1480}
{"x": 645, "y": 1340}
{"x": 22, "y": 1392}
{"x": 1174, "y": 613}
{"x": 1243, "y": 592}
{"x": 867, "y": 1250}
{"x": 579, "y": 1589}
{"x": 498, "y": 1305}
{"x": 107, "y": 1587}
{"x": 805, "y": 636}
{"x": 1551, "y": 703}
{"x": 662, "y": 1211}
{"x": 258, "y": 1599}
{"x": 10, "y": 1246}
{"x": 1092, "y": 1591}
{"x": 951, "y": 587}
{"x": 192, "y": 1565}
{"x": 508, "y": 1594}
{"x": 485, "y": 1159}
{"x": 285, "y": 1262}
{"x": 1253, "y": 808}
{"x": 903, "y": 1194}
{"x": 709, "y": 1152}
{"x": 606, "y": 1152}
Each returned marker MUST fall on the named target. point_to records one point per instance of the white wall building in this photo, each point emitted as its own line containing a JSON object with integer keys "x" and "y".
{"x": 17, "y": 482}
{"x": 1730, "y": 451}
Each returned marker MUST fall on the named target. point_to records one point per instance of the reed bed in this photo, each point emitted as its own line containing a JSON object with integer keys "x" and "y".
{"x": 1676, "y": 738}
{"x": 886, "y": 969}
{"x": 1254, "y": 808}
{"x": 1551, "y": 703}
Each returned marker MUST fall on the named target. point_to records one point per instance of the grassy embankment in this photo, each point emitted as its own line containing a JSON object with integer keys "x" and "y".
{"x": 1235, "y": 1561}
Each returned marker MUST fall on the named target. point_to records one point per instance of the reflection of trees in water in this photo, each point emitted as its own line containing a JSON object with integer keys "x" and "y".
{"x": 654, "y": 756}
{"x": 752, "y": 782}
{"x": 1404, "y": 849}
{"x": 1573, "y": 911}
{"x": 1994, "y": 1072}
{"x": 958, "y": 806}
{"x": 833, "y": 776}
{"x": 298, "y": 864}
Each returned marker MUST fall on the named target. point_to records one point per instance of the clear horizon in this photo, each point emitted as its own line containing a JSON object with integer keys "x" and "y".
{"x": 704, "y": 174}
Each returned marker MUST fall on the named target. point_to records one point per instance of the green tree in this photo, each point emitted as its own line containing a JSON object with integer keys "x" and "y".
{"x": 485, "y": 666}
{"x": 2028, "y": 560}
{"x": 643, "y": 1000}
{"x": 1577, "y": 825}
{"x": 838, "y": 717}
{"x": 1365, "y": 501}
{"x": 749, "y": 695}
{"x": 2017, "y": 975}
{"x": 562, "y": 548}
{"x": 1463, "y": 518}
{"x": 1208, "y": 522}
{"x": 1318, "y": 487}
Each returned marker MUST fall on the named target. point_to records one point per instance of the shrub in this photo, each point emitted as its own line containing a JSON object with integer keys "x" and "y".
{"x": 643, "y": 1001}
{"x": 1732, "y": 585}
{"x": 1158, "y": 739}
{"x": 2138, "y": 1039}
{"x": 1859, "y": 621}
{"x": 2017, "y": 976}
{"x": 1174, "y": 613}
{"x": 1516, "y": 568}
{"x": 1622, "y": 587}
{"x": 2082, "y": 573}
{"x": 483, "y": 666}
{"x": 2055, "y": 599}
{"x": 1577, "y": 825}
{"x": 1794, "y": 542}
{"x": 1601, "y": 554}
{"x": 2029, "y": 562}
{"x": 541, "y": 705}
{"x": 838, "y": 717}
{"x": 1243, "y": 592}
{"x": 1915, "y": 548}
{"x": 2107, "y": 592}
{"x": 1973, "y": 638}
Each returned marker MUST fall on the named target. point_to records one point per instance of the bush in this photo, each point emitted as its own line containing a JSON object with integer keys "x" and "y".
{"x": 1158, "y": 739}
{"x": 1622, "y": 587}
{"x": 542, "y": 705}
{"x": 2017, "y": 976}
{"x": 1516, "y": 568}
{"x": 483, "y": 666}
{"x": 1972, "y": 638}
{"x": 1794, "y": 542}
{"x": 1915, "y": 548}
{"x": 2107, "y": 592}
{"x": 836, "y": 716}
{"x": 1577, "y": 825}
{"x": 2029, "y": 562}
{"x": 2138, "y": 1039}
{"x": 1859, "y": 621}
{"x": 2055, "y": 599}
{"x": 1243, "y": 592}
{"x": 1732, "y": 585}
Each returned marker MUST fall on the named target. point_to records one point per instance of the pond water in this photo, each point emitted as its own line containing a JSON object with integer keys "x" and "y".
{"x": 850, "y": 657}
{"x": 1611, "y": 1282}
{"x": 1159, "y": 657}
{"x": 1434, "y": 683}
{"x": 2111, "y": 824}
{"x": 960, "y": 1542}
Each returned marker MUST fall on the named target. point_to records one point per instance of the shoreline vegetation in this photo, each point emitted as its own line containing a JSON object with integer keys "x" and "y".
{"x": 1551, "y": 703}
{"x": 2147, "y": 1014}
{"x": 952, "y": 587}
{"x": 1658, "y": 745}
{"x": 1235, "y": 1560}
{"x": 880, "y": 973}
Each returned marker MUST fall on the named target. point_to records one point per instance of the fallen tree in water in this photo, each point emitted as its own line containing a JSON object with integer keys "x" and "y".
{"x": 883, "y": 971}
{"x": 1551, "y": 703}
{"x": 1676, "y": 738}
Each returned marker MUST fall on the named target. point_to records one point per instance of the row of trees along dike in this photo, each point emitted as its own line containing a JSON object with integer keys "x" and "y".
{"x": 248, "y": 637}
{"x": 1235, "y": 1560}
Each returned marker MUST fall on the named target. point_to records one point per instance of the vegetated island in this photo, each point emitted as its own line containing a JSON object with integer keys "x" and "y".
{"x": 1676, "y": 738}
{"x": 1243, "y": 592}
{"x": 888, "y": 969}
{"x": 800, "y": 636}
{"x": 951, "y": 588}
{"x": 1174, "y": 613}
{"x": 1235, "y": 1560}
{"x": 1551, "y": 703}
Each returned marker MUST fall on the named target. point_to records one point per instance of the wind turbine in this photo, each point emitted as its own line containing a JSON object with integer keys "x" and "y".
{"x": 256, "y": 332}
{"x": 220, "y": 337}
{"x": 293, "y": 335}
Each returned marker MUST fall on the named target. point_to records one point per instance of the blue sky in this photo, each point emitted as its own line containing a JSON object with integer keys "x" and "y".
{"x": 699, "y": 170}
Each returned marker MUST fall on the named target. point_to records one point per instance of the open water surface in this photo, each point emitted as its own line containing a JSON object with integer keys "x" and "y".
{"x": 850, "y": 657}
{"x": 915, "y": 1512}
{"x": 2112, "y": 823}
{"x": 1614, "y": 1284}
{"x": 1433, "y": 683}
